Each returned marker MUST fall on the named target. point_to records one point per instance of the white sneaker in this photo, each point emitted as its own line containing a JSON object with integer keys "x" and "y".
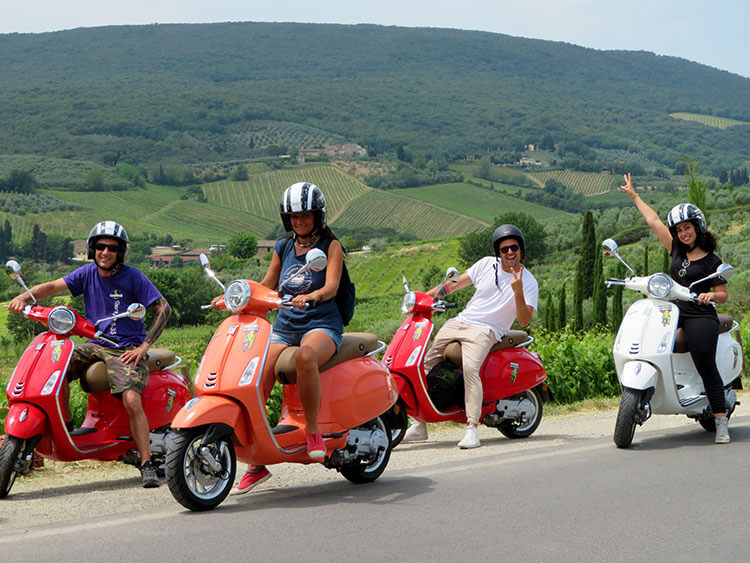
{"x": 470, "y": 439}
{"x": 417, "y": 432}
{"x": 722, "y": 430}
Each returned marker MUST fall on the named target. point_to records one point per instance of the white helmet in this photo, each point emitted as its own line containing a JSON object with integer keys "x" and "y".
{"x": 108, "y": 229}
{"x": 303, "y": 196}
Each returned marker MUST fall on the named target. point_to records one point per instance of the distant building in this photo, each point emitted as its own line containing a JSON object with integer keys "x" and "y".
{"x": 80, "y": 250}
{"x": 347, "y": 150}
{"x": 265, "y": 247}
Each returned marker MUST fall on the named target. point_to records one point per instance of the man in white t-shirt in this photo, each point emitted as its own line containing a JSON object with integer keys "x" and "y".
{"x": 505, "y": 291}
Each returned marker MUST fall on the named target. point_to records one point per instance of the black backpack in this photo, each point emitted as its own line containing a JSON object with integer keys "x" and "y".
{"x": 346, "y": 295}
{"x": 445, "y": 386}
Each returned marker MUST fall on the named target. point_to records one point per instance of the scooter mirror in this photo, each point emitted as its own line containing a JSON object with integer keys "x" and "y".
{"x": 725, "y": 271}
{"x": 206, "y": 267}
{"x": 136, "y": 311}
{"x": 609, "y": 246}
{"x": 316, "y": 260}
{"x": 451, "y": 275}
{"x": 405, "y": 284}
{"x": 12, "y": 268}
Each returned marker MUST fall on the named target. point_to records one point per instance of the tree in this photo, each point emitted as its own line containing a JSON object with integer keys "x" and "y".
{"x": 589, "y": 251}
{"x": 645, "y": 259}
{"x": 561, "y": 315}
{"x": 242, "y": 245}
{"x": 38, "y": 246}
{"x": 578, "y": 299}
{"x": 20, "y": 181}
{"x": 549, "y": 314}
{"x": 599, "y": 311}
{"x": 697, "y": 188}
{"x": 239, "y": 174}
{"x": 94, "y": 180}
{"x": 477, "y": 245}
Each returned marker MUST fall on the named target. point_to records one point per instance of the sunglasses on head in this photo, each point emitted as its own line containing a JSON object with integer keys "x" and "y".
{"x": 110, "y": 247}
{"x": 509, "y": 248}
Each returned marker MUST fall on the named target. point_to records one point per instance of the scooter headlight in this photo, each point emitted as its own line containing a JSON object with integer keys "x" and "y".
{"x": 660, "y": 285}
{"x": 407, "y": 305}
{"x": 237, "y": 295}
{"x": 61, "y": 320}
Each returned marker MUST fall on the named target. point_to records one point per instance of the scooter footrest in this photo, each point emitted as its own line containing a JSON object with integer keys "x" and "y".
{"x": 284, "y": 428}
{"x": 82, "y": 431}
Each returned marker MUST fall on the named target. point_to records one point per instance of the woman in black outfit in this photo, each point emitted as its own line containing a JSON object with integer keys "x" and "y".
{"x": 692, "y": 248}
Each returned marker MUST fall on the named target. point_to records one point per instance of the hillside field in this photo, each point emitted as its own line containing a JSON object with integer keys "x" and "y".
{"x": 709, "y": 120}
{"x": 586, "y": 183}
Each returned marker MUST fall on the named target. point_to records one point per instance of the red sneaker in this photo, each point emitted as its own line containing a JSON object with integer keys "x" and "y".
{"x": 316, "y": 448}
{"x": 252, "y": 478}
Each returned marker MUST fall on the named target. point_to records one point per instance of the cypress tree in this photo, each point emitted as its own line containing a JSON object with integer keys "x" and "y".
{"x": 588, "y": 253}
{"x": 599, "y": 312}
{"x": 578, "y": 299}
{"x": 665, "y": 260}
{"x": 561, "y": 320}
{"x": 549, "y": 314}
{"x": 645, "y": 259}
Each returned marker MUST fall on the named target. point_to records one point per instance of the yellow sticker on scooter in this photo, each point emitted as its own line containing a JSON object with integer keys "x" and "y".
{"x": 56, "y": 352}
{"x": 513, "y": 372}
{"x": 247, "y": 342}
{"x": 666, "y": 315}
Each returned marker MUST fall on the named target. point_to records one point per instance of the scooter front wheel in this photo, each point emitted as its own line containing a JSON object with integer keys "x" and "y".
{"x": 626, "y": 418}
{"x": 200, "y": 475}
{"x": 10, "y": 456}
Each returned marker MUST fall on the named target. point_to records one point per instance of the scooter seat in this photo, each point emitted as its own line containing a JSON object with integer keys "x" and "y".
{"x": 353, "y": 345}
{"x": 96, "y": 380}
{"x": 680, "y": 343}
{"x": 512, "y": 338}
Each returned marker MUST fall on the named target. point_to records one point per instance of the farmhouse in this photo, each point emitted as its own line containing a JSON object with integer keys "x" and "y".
{"x": 347, "y": 150}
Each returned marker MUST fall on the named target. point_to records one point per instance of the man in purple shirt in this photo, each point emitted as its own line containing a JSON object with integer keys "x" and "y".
{"x": 109, "y": 287}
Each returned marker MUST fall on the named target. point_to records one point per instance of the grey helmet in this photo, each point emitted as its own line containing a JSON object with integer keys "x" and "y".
{"x": 686, "y": 212}
{"x": 303, "y": 196}
{"x": 508, "y": 231}
{"x": 108, "y": 229}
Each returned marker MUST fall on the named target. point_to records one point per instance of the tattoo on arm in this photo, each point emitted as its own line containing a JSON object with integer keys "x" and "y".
{"x": 163, "y": 310}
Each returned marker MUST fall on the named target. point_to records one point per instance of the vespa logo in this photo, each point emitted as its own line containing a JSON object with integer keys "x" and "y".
{"x": 513, "y": 372}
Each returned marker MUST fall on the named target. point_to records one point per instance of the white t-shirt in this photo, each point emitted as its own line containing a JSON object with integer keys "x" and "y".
{"x": 493, "y": 305}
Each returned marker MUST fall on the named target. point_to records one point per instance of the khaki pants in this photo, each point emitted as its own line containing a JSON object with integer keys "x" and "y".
{"x": 475, "y": 345}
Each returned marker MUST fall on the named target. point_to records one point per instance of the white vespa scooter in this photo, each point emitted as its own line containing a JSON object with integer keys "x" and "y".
{"x": 655, "y": 369}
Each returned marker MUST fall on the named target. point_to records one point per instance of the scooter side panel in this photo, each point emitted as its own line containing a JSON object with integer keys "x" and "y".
{"x": 639, "y": 375}
{"x": 164, "y": 396}
{"x": 354, "y": 392}
{"x": 728, "y": 358}
{"x": 510, "y": 371}
{"x": 210, "y": 409}
{"x": 25, "y": 420}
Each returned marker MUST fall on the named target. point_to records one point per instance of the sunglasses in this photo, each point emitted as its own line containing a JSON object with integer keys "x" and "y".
{"x": 110, "y": 247}
{"x": 511, "y": 248}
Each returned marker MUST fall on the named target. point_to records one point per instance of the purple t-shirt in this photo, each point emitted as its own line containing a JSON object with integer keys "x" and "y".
{"x": 107, "y": 296}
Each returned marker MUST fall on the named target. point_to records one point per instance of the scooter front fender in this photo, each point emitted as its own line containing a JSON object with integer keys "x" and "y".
{"x": 639, "y": 375}
{"x": 212, "y": 409}
{"x": 25, "y": 420}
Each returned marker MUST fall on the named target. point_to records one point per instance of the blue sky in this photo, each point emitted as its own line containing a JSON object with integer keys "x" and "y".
{"x": 715, "y": 33}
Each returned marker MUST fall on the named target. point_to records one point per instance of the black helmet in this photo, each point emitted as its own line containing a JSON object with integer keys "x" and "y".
{"x": 686, "y": 212}
{"x": 109, "y": 229}
{"x": 508, "y": 231}
{"x": 303, "y": 196}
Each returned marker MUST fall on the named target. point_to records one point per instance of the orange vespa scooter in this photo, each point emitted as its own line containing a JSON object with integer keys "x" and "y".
{"x": 227, "y": 420}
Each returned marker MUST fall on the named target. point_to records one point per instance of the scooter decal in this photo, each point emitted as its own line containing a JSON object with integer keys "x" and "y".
{"x": 56, "y": 350}
{"x": 418, "y": 331}
{"x": 250, "y": 330}
{"x": 170, "y": 401}
{"x": 513, "y": 372}
{"x": 666, "y": 315}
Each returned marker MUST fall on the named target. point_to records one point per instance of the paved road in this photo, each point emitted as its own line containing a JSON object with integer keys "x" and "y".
{"x": 565, "y": 494}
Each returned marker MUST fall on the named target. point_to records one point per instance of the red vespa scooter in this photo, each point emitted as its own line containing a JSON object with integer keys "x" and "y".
{"x": 38, "y": 398}
{"x": 513, "y": 378}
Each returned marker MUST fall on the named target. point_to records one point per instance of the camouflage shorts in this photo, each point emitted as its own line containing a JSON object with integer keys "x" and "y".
{"x": 121, "y": 376}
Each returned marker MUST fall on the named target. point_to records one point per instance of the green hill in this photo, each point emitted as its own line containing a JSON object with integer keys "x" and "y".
{"x": 217, "y": 92}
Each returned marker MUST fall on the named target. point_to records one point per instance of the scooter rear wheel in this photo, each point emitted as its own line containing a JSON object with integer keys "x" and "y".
{"x": 10, "y": 456}
{"x": 193, "y": 482}
{"x": 514, "y": 429}
{"x": 361, "y": 472}
{"x": 626, "y": 418}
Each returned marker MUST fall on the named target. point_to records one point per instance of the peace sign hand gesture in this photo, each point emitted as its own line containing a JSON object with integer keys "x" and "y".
{"x": 516, "y": 284}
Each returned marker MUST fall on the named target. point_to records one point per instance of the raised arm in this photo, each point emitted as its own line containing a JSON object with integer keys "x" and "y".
{"x": 41, "y": 291}
{"x": 651, "y": 217}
